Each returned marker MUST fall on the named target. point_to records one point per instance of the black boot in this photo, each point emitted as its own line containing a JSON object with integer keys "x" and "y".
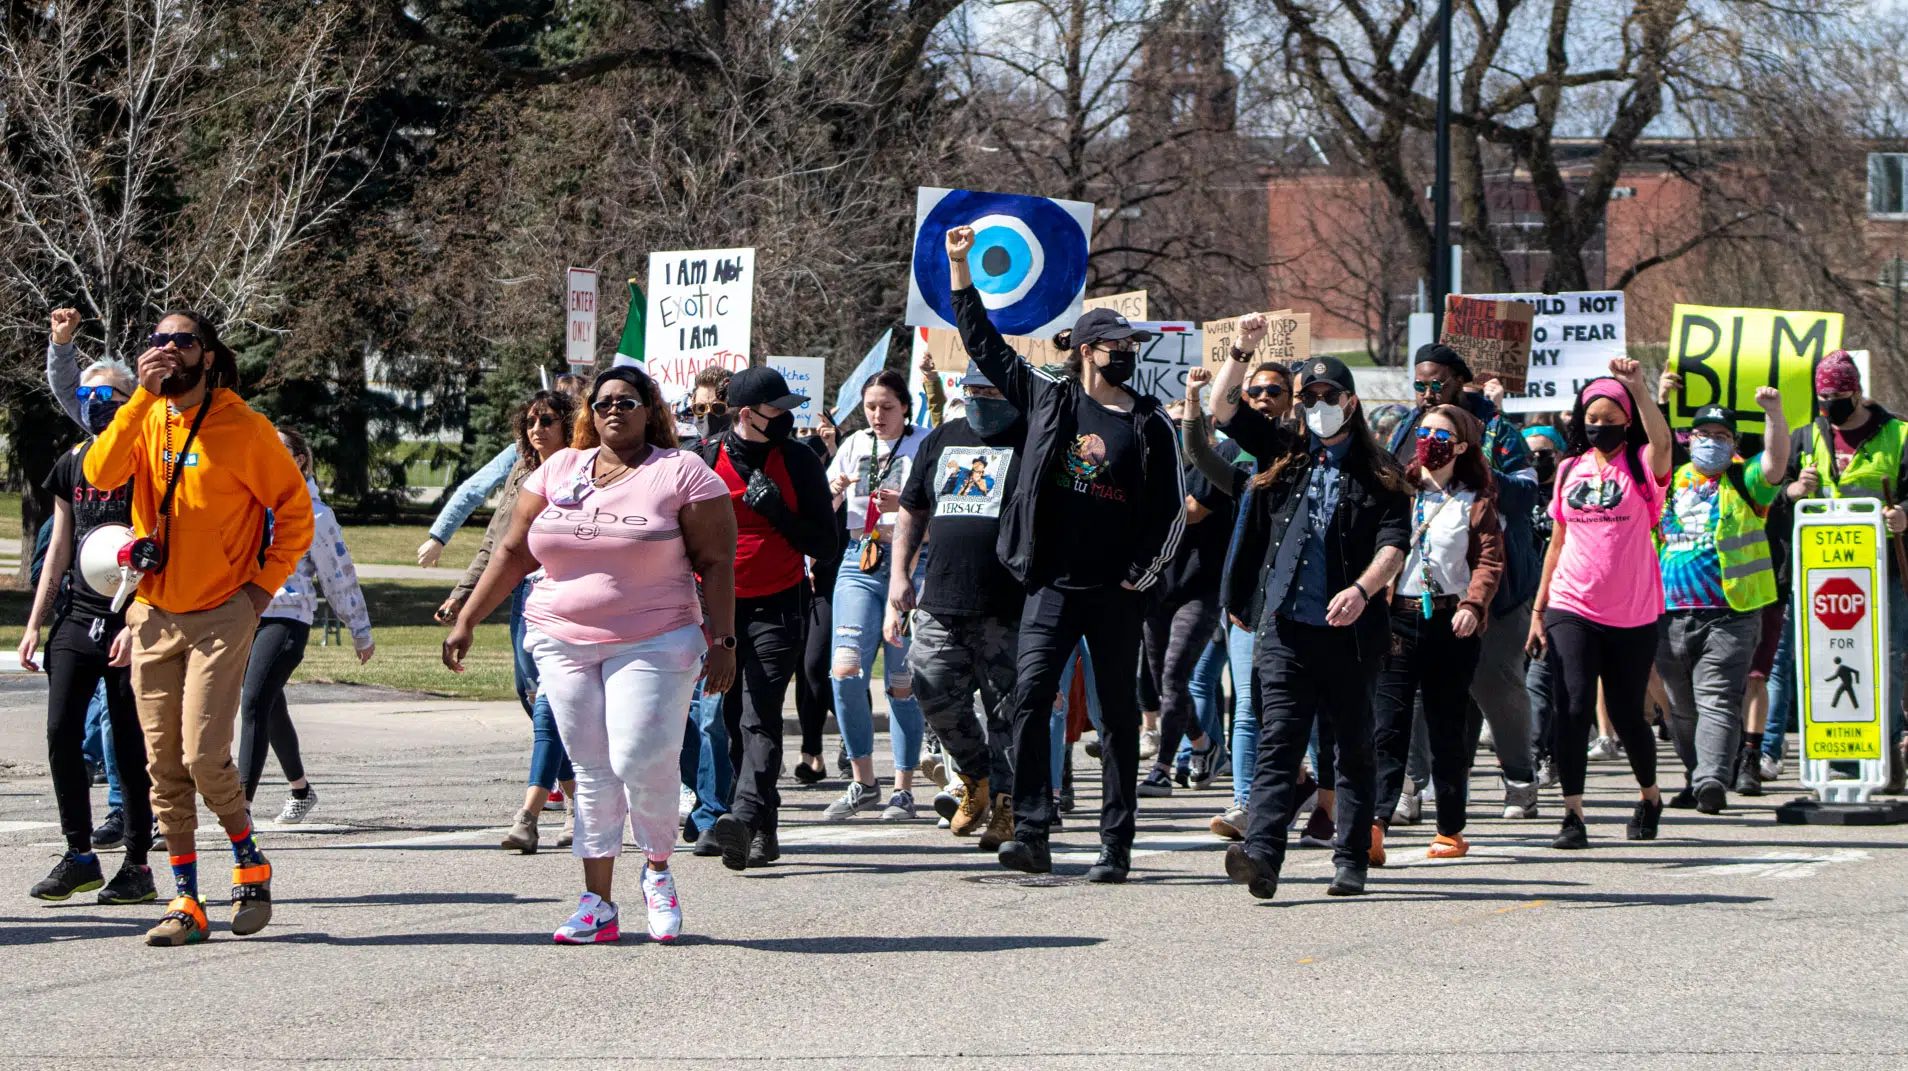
{"x": 1348, "y": 881}
{"x": 1258, "y": 874}
{"x": 1110, "y": 869}
{"x": 1029, "y": 855}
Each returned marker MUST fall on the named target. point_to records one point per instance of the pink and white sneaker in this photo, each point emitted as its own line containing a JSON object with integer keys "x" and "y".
{"x": 665, "y": 911}
{"x": 594, "y": 923}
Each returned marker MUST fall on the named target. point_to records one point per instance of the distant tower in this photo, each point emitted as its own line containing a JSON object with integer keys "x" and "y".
{"x": 1182, "y": 83}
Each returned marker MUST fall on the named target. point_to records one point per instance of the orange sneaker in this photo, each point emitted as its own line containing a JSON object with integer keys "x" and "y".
{"x": 182, "y": 924}
{"x": 1451, "y": 847}
{"x": 1377, "y": 844}
{"x": 251, "y": 897}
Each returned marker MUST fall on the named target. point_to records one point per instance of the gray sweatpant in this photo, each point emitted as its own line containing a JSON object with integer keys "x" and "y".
{"x": 1703, "y": 657}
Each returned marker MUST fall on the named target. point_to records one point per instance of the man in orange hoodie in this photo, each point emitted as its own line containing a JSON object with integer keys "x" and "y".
{"x": 207, "y": 470}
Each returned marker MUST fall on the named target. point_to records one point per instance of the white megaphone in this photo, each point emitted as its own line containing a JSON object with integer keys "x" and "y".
{"x": 105, "y": 563}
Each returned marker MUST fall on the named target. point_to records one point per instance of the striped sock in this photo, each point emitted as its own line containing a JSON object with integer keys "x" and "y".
{"x": 185, "y": 874}
{"x": 245, "y": 849}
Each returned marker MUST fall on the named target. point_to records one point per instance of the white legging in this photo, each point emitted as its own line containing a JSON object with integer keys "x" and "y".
{"x": 621, "y": 708}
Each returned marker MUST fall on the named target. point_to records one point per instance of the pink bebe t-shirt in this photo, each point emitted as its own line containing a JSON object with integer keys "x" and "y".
{"x": 1608, "y": 572}
{"x": 615, "y": 568}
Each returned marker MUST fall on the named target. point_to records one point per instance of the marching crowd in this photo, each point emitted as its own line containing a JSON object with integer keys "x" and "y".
{"x": 1050, "y": 558}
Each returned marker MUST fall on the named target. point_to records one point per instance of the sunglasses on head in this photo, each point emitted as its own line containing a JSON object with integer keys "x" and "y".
{"x": 1435, "y": 386}
{"x": 1266, "y": 390}
{"x": 622, "y": 403}
{"x": 185, "y": 340}
{"x": 707, "y": 409}
{"x": 1442, "y": 435}
{"x": 101, "y": 393}
{"x": 1331, "y": 396}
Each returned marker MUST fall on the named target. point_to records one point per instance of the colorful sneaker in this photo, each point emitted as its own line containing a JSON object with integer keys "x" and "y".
{"x": 593, "y": 923}
{"x": 296, "y": 810}
{"x": 555, "y": 802}
{"x": 665, "y": 910}
{"x": 251, "y": 897}
{"x": 70, "y": 875}
{"x": 182, "y": 924}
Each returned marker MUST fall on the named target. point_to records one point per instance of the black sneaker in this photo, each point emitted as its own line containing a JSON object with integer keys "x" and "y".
{"x": 1683, "y": 800}
{"x": 764, "y": 848}
{"x": 1205, "y": 765}
{"x": 808, "y": 775}
{"x": 1642, "y": 825}
{"x": 1347, "y": 881}
{"x": 1092, "y": 747}
{"x": 1258, "y": 875}
{"x": 1158, "y": 784}
{"x": 112, "y": 832}
{"x": 733, "y": 835}
{"x": 1029, "y": 856}
{"x": 707, "y": 846}
{"x": 1574, "y": 835}
{"x": 1182, "y": 776}
{"x": 1111, "y": 867}
{"x": 132, "y": 885}
{"x": 1710, "y": 797}
{"x": 70, "y": 875}
{"x": 1066, "y": 784}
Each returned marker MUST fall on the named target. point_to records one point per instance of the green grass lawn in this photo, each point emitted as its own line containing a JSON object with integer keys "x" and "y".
{"x": 10, "y": 519}
{"x": 396, "y": 544}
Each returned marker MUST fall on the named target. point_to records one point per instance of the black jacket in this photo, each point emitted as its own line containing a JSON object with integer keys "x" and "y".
{"x": 1369, "y": 518}
{"x": 1048, "y": 403}
{"x": 810, "y": 527}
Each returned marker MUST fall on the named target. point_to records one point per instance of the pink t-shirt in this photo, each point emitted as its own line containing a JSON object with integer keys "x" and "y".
{"x": 1608, "y": 571}
{"x": 615, "y": 569}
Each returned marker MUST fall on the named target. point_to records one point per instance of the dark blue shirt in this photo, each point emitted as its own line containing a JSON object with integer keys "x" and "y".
{"x": 1307, "y": 599}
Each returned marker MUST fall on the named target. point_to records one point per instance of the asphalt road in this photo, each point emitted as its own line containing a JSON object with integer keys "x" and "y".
{"x": 404, "y": 938}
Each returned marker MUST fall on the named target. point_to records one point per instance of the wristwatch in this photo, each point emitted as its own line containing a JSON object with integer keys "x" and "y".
{"x": 726, "y": 642}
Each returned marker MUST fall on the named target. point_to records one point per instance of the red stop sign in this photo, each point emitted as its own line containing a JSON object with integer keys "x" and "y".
{"x": 1840, "y": 603}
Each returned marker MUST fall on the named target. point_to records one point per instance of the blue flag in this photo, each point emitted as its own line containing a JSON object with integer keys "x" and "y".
{"x": 849, "y": 394}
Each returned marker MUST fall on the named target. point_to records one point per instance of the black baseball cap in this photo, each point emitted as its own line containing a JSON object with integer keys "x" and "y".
{"x": 1105, "y": 325}
{"x": 762, "y": 386}
{"x": 1714, "y": 414}
{"x": 1326, "y": 370}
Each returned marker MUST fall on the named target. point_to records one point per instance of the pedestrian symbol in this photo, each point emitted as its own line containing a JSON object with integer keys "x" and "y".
{"x": 1848, "y": 676}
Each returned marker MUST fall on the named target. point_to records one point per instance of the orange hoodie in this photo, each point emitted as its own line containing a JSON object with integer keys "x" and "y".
{"x": 237, "y": 469}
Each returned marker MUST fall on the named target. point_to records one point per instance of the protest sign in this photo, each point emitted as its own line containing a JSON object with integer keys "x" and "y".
{"x": 1165, "y": 359}
{"x": 944, "y": 344}
{"x": 701, "y": 303}
{"x": 1028, "y": 261}
{"x": 1492, "y": 336}
{"x": 804, "y": 377}
{"x": 579, "y": 317}
{"x": 1288, "y": 338}
{"x": 950, "y": 378}
{"x": 1724, "y": 354}
{"x": 1572, "y": 340}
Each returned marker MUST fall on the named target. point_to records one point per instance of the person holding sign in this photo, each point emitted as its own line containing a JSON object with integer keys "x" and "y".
{"x": 1855, "y": 449}
{"x": 1324, "y": 531}
{"x": 1094, "y": 520}
{"x": 1602, "y": 591}
{"x": 1718, "y": 574}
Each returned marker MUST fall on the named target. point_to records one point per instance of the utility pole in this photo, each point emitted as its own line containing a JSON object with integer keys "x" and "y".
{"x": 1441, "y": 187}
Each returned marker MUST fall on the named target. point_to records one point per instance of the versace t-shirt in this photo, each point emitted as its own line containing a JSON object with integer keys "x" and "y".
{"x": 92, "y": 507}
{"x": 962, "y": 482}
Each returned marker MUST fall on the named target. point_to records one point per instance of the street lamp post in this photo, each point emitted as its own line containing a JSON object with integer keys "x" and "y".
{"x": 1441, "y": 187}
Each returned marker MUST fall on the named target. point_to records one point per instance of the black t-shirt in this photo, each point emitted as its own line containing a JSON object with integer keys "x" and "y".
{"x": 91, "y": 508}
{"x": 1201, "y": 558}
{"x": 962, "y": 481}
{"x": 1095, "y": 513}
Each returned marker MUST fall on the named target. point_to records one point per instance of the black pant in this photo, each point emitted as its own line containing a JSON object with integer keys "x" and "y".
{"x": 1426, "y": 656}
{"x": 277, "y": 648}
{"x": 77, "y": 651}
{"x": 1305, "y": 671}
{"x": 1176, "y": 633}
{"x": 814, "y": 690}
{"x": 1583, "y": 652}
{"x": 770, "y": 632}
{"x": 1051, "y": 624}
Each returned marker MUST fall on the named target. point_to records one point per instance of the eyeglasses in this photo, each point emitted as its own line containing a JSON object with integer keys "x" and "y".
{"x": 185, "y": 340}
{"x": 1266, "y": 390}
{"x": 622, "y": 403}
{"x": 1442, "y": 435}
{"x": 708, "y": 409}
{"x": 1332, "y": 396}
{"x": 101, "y": 393}
{"x": 1434, "y": 386}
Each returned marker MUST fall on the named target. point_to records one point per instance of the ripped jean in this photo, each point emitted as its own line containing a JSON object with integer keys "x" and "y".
{"x": 860, "y": 601}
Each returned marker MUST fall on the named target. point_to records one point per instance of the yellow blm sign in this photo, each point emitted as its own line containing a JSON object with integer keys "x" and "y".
{"x": 1724, "y": 354}
{"x": 1288, "y": 338}
{"x": 944, "y": 344}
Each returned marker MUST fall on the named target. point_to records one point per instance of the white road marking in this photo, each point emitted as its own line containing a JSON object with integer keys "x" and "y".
{"x": 22, "y": 827}
{"x": 1782, "y": 866}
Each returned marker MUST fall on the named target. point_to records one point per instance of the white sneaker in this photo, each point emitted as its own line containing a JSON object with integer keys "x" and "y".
{"x": 593, "y": 923}
{"x": 1604, "y": 750}
{"x": 685, "y": 802}
{"x": 1520, "y": 799}
{"x": 901, "y": 807}
{"x": 1547, "y": 773}
{"x": 1149, "y": 744}
{"x": 1771, "y": 769}
{"x": 297, "y": 810}
{"x": 665, "y": 911}
{"x": 1410, "y": 809}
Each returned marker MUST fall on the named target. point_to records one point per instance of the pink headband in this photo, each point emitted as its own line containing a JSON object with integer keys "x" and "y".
{"x": 1607, "y": 387}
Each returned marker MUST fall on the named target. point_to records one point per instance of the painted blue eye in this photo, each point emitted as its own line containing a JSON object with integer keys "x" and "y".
{"x": 1006, "y": 260}
{"x": 1028, "y": 261}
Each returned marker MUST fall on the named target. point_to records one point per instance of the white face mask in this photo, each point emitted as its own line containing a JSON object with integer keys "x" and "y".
{"x": 1324, "y": 420}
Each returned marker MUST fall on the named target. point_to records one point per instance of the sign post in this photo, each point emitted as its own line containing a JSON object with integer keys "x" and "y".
{"x": 579, "y": 335}
{"x": 1842, "y": 659}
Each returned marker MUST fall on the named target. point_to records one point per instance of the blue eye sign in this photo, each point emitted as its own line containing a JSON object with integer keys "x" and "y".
{"x": 1028, "y": 262}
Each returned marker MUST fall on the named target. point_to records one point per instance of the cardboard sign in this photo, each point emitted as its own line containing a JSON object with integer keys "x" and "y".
{"x": 1493, "y": 337}
{"x": 579, "y": 318}
{"x": 1572, "y": 341}
{"x": 944, "y": 344}
{"x": 804, "y": 376}
{"x": 1288, "y": 338}
{"x": 701, "y": 304}
{"x": 1028, "y": 262}
{"x": 1840, "y": 604}
{"x": 1176, "y": 348}
{"x": 950, "y": 378}
{"x": 1725, "y": 354}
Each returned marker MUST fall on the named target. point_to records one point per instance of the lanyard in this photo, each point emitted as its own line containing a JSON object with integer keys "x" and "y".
{"x": 875, "y": 480}
{"x": 1426, "y": 581}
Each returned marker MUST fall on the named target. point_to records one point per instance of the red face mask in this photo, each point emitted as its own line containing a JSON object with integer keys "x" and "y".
{"x": 1433, "y": 454}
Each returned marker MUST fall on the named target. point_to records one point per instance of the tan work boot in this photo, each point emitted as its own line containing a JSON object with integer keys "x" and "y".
{"x": 568, "y": 836}
{"x": 972, "y": 812}
{"x": 1000, "y": 828}
{"x": 523, "y": 836}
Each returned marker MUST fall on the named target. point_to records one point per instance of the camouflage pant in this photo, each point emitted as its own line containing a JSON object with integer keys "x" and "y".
{"x": 954, "y": 656}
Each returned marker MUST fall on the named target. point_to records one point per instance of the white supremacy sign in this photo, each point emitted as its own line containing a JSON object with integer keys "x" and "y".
{"x": 1572, "y": 340}
{"x": 701, "y": 304}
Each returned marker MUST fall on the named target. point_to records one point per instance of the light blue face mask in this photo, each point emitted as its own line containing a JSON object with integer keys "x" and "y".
{"x": 1711, "y": 456}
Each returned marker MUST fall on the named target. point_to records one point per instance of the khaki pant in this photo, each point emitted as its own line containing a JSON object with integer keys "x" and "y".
{"x": 187, "y": 673}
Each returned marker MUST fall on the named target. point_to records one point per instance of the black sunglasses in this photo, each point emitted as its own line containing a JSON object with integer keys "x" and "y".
{"x": 1331, "y": 396}
{"x": 622, "y": 403}
{"x": 185, "y": 340}
{"x": 541, "y": 420}
{"x": 1266, "y": 390}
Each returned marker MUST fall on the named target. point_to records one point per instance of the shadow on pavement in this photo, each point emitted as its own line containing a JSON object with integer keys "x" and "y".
{"x": 421, "y": 899}
{"x": 63, "y": 928}
{"x": 848, "y": 946}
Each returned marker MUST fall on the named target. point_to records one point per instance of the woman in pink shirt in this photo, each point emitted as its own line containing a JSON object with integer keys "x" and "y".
{"x": 622, "y": 525}
{"x": 1602, "y": 590}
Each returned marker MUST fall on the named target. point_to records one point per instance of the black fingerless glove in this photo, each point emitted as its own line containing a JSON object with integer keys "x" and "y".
{"x": 764, "y": 497}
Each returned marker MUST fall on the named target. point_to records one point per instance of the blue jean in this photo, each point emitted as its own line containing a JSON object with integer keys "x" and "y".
{"x": 549, "y": 763}
{"x": 1062, "y": 711}
{"x": 1245, "y": 713}
{"x": 1781, "y": 688}
{"x": 1206, "y": 689}
{"x": 705, "y": 759}
{"x": 108, "y": 757}
{"x": 861, "y": 600}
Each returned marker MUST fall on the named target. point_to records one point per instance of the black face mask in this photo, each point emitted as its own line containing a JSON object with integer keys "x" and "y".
{"x": 1606, "y": 437}
{"x": 777, "y": 429}
{"x": 1545, "y": 463}
{"x": 713, "y": 425}
{"x": 991, "y": 416}
{"x": 1119, "y": 366}
{"x": 1839, "y": 410}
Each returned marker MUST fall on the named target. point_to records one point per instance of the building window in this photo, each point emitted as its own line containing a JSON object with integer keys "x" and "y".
{"x": 1888, "y": 184}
